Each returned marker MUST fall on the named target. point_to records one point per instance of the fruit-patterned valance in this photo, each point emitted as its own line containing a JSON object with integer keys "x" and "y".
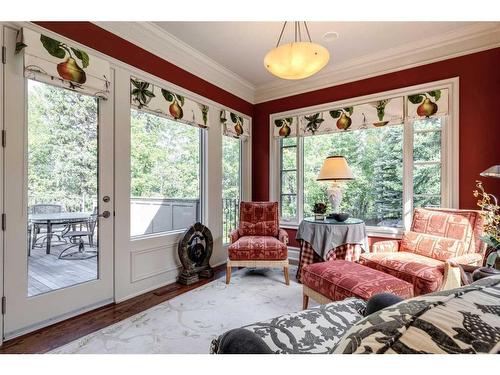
{"x": 286, "y": 127}
{"x": 433, "y": 103}
{"x": 362, "y": 116}
{"x": 58, "y": 63}
{"x": 234, "y": 125}
{"x": 151, "y": 98}
{"x": 374, "y": 114}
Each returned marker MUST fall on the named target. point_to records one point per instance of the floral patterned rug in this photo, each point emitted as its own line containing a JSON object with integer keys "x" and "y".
{"x": 188, "y": 323}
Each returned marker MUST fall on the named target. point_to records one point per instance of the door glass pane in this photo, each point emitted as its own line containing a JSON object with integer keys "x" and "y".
{"x": 231, "y": 181}
{"x": 62, "y": 165}
{"x": 165, "y": 174}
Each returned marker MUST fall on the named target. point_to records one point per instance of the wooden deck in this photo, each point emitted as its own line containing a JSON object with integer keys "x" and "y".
{"x": 46, "y": 272}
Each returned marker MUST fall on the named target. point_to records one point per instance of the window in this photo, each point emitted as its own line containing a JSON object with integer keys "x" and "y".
{"x": 288, "y": 167}
{"x": 231, "y": 184}
{"x": 406, "y": 164}
{"x": 376, "y": 159}
{"x": 165, "y": 174}
{"x": 427, "y": 162}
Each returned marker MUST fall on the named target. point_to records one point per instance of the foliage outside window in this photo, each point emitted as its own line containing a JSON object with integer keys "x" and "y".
{"x": 165, "y": 174}
{"x": 288, "y": 184}
{"x": 231, "y": 184}
{"x": 376, "y": 158}
{"x": 62, "y": 147}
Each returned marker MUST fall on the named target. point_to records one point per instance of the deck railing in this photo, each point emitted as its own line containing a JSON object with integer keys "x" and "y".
{"x": 230, "y": 217}
{"x": 156, "y": 215}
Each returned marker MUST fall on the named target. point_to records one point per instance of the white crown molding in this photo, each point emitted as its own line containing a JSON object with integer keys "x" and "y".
{"x": 474, "y": 38}
{"x": 154, "y": 39}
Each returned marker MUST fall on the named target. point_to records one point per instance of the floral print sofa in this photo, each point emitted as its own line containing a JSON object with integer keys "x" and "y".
{"x": 464, "y": 320}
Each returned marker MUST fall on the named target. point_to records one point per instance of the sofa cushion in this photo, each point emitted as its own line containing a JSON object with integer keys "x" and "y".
{"x": 339, "y": 279}
{"x": 440, "y": 248}
{"x": 463, "y": 225}
{"x": 257, "y": 248}
{"x": 259, "y": 219}
{"x": 314, "y": 331}
{"x": 463, "y": 321}
{"x": 426, "y": 274}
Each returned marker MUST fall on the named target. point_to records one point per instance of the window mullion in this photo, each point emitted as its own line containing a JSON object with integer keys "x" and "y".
{"x": 300, "y": 179}
{"x": 407, "y": 173}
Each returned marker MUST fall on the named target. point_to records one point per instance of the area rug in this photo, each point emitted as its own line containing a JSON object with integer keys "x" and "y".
{"x": 189, "y": 322}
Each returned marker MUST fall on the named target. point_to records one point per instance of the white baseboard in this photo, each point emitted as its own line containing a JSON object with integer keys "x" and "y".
{"x": 165, "y": 283}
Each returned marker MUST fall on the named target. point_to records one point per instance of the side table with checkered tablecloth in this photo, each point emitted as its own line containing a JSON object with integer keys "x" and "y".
{"x": 324, "y": 240}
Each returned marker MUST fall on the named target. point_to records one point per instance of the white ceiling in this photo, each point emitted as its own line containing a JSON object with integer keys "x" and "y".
{"x": 241, "y": 46}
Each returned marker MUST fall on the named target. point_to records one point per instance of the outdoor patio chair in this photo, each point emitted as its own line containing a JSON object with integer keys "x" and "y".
{"x": 76, "y": 240}
{"x": 36, "y": 232}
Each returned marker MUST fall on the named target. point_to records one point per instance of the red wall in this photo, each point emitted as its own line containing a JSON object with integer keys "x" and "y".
{"x": 479, "y": 116}
{"x": 103, "y": 41}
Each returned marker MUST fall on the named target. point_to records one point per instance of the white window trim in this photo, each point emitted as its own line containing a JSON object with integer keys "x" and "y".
{"x": 449, "y": 153}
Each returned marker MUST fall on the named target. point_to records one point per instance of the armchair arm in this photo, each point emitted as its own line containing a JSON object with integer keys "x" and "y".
{"x": 454, "y": 274}
{"x": 473, "y": 259}
{"x": 389, "y": 246}
{"x": 234, "y": 235}
{"x": 283, "y": 236}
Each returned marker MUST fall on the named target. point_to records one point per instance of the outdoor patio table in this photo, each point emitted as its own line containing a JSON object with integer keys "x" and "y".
{"x": 57, "y": 218}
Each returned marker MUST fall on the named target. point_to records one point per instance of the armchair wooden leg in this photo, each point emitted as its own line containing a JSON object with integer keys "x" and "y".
{"x": 305, "y": 301}
{"x": 287, "y": 279}
{"x": 228, "y": 274}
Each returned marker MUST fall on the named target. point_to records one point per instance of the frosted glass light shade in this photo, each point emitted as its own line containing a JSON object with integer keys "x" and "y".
{"x": 491, "y": 172}
{"x": 335, "y": 168}
{"x": 296, "y": 60}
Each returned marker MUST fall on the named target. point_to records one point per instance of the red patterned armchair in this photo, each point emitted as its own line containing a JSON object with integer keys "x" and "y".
{"x": 259, "y": 241}
{"x": 429, "y": 254}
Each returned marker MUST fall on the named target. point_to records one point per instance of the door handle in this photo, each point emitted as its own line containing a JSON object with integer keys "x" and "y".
{"x": 105, "y": 214}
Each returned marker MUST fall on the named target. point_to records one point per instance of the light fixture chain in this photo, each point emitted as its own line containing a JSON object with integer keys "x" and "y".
{"x": 281, "y": 34}
{"x": 307, "y": 29}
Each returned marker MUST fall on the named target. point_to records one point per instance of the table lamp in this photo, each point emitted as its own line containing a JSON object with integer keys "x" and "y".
{"x": 335, "y": 169}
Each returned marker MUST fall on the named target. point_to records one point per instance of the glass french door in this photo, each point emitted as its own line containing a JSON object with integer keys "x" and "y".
{"x": 58, "y": 184}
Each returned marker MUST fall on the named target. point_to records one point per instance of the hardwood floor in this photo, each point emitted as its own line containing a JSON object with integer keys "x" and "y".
{"x": 51, "y": 337}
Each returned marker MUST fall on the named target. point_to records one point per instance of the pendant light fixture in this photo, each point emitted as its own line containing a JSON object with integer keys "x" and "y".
{"x": 296, "y": 60}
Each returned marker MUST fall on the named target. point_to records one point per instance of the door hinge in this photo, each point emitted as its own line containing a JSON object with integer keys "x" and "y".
{"x": 4, "y": 55}
{"x": 4, "y": 305}
{"x": 4, "y": 219}
{"x": 4, "y": 138}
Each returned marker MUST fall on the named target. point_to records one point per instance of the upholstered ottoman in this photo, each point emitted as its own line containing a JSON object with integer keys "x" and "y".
{"x": 338, "y": 279}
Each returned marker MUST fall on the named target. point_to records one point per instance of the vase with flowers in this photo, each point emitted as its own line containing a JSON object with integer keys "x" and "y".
{"x": 319, "y": 210}
{"x": 491, "y": 212}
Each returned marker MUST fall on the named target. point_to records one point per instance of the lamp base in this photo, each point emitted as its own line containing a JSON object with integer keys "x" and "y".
{"x": 334, "y": 193}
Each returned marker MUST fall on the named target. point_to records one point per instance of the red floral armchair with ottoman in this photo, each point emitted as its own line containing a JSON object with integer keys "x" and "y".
{"x": 425, "y": 260}
{"x": 259, "y": 241}
{"x": 429, "y": 254}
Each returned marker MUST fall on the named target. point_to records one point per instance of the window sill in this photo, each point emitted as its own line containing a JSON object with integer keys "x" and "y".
{"x": 385, "y": 232}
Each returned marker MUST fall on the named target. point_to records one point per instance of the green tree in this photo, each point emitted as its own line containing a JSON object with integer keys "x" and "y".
{"x": 165, "y": 158}
{"x": 62, "y": 147}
